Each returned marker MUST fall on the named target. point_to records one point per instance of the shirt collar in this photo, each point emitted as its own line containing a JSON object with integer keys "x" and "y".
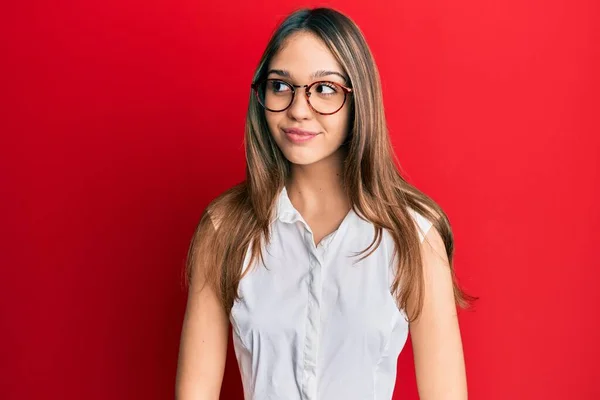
{"x": 285, "y": 210}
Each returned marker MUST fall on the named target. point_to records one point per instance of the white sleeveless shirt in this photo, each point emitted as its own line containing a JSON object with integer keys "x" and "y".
{"x": 312, "y": 323}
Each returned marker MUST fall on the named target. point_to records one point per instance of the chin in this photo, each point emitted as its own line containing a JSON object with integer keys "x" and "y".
{"x": 301, "y": 157}
{"x": 302, "y": 160}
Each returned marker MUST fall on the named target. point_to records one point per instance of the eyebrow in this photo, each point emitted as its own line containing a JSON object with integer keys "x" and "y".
{"x": 317, "y": 74}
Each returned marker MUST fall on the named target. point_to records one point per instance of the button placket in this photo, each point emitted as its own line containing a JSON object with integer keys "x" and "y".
{"x": 311, "y": 347}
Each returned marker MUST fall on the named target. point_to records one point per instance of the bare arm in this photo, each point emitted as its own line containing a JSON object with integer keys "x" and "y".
{"x": 436, "y": 340}
{"x": 204, "y": 336}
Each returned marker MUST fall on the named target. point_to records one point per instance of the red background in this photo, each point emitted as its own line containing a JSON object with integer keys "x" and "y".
{"x": 121, "y": 120}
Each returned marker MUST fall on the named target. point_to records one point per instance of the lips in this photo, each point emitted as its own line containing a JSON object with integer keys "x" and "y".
{"x": 297, "y": 136}
{"x": 299, "y": 132}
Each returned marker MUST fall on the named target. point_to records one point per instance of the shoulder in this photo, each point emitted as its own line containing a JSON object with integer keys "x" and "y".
{"x": 422, "y": 223}
{"x": 221, "y": 207}
{"x": 435, "y": 244}
{"x": 207, "y": 241}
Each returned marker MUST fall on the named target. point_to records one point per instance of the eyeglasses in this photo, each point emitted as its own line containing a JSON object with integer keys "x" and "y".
{"x": 323, "y": 97}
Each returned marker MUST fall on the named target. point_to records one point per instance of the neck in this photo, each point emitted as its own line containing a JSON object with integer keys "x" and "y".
{"x": 319, "y": 186}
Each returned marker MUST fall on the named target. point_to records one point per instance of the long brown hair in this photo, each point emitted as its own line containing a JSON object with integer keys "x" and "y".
{"x": 241, "y": 217}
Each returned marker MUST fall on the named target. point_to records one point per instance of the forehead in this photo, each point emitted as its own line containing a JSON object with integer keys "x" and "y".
{"x": 303, "y": 53}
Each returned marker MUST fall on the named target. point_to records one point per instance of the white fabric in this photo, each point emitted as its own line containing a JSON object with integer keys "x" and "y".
{"x": 312, "y": 322}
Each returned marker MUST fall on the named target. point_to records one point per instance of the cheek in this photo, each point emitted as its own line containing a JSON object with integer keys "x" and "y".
{"x": 338, "y": 124}
{"x": 272, "y": 122}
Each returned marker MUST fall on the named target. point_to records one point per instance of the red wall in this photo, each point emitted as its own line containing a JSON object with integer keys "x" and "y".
{"x": 121, "y": 120}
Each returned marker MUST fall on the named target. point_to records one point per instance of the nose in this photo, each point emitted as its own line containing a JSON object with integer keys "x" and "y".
{"x": 299, "y": 109}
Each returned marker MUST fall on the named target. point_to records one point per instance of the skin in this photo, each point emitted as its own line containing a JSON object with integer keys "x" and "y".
{"x": 203, "y": 346}
{"x": 315, "y": 186}
{"x": 315, "y": 189}
{"x": 435, "y": 335}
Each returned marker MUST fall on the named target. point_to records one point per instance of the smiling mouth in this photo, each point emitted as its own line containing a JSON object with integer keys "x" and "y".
{"x": 299, "y": 135}
{"x": 299, "y": 132}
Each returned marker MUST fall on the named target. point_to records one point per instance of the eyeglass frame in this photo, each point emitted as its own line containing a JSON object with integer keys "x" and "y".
{"x": 345, "y": 89}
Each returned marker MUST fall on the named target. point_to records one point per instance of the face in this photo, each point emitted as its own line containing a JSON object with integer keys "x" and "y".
{"x": 303, "y": 60}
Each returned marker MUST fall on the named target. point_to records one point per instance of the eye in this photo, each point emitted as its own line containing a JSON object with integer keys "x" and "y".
{"x": 326, "y": 88}
{"x": 279, "y": 86}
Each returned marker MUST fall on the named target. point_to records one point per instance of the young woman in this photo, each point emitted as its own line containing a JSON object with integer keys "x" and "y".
{"x": 324, "y": 258}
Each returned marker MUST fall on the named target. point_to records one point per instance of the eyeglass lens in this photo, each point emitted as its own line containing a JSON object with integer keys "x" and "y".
{"x": 324, "y": 97}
